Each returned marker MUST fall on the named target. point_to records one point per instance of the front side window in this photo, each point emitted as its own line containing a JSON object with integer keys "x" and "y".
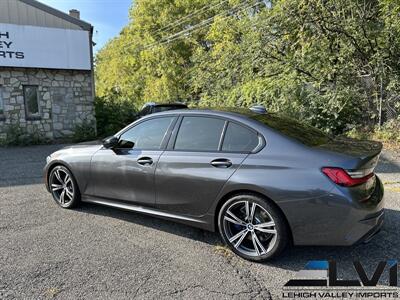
{"x": 239, "y": 139}
{"x": 149, "y": 134}
{"x": 31, "y": 101}
{"x": 199, "y": 134}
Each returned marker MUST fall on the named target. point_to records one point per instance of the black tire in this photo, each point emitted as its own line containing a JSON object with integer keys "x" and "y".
{"x": 263, "y": 212}
{"x": 57, "y": 178}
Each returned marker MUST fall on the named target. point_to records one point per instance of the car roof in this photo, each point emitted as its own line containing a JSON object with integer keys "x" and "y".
{"x": 164, "y": 104}
{"x": 243, "y": 116}
{"x": 212, "y": 112}
{"x": 286, "y": 126}
{"x": 170, "y": 104}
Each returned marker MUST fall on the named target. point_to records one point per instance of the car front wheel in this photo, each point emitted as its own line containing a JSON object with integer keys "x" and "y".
{"x": 63, "y": 187}
{"x": 253, "y": 228}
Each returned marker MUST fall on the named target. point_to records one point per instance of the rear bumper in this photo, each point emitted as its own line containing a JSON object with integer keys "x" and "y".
{"x": 339, "y": 220}
{"x": 366, "y": 228}
{"x": 373, "y": 224}
{"x": 375, "y": 230}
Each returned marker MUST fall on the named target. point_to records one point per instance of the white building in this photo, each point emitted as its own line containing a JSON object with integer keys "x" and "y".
{"x": 46, "y": 70}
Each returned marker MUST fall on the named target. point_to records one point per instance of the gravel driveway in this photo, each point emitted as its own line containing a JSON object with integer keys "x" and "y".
{"x": 98, "y": 252}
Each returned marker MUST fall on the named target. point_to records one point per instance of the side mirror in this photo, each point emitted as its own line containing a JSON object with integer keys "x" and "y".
{"x": 110, "y": 142}
{"x": 125, "y": 144}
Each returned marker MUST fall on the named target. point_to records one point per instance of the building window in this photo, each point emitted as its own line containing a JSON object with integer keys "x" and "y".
{"x": 1, "y": 102}
{"x": 31, "y": 96}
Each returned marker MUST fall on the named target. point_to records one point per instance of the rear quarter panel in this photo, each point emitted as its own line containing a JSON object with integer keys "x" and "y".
{"x": 289, "y": 174}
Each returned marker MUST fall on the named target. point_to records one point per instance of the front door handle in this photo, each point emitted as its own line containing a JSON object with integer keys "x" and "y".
{"x": 221, "y": 163}
{"x": 145, "y": 161}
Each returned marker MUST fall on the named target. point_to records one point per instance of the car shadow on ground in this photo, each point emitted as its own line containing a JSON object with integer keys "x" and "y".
{"x": 384, "y": 246}
{"x": 152, "y": 222}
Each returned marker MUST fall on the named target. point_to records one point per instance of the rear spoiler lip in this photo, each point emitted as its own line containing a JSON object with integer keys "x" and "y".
{"x": 369, "y": 162}
{"x": 352, "y": 154}
{"x": 351, "y": 147}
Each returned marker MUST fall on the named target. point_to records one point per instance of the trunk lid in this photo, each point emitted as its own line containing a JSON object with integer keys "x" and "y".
{"x": 365, "y": 153}
{"x": 361, "y": 160}
{"x": 353, "y": 147}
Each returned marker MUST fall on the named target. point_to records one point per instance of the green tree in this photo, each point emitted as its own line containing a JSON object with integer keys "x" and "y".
{"x": 327, "y": 62}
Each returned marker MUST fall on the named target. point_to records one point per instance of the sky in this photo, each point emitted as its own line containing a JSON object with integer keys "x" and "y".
{"x": 107, "y": 16}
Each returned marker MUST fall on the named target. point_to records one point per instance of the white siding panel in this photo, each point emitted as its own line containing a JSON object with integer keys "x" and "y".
{"x": 32, "y": 16}
{"x": 40, "y": 18}
{"x": 4, "y": 11}
{"x": 13, "y": 11}
{"x": 23, "y": 13}
{"x": 17, "y": 12}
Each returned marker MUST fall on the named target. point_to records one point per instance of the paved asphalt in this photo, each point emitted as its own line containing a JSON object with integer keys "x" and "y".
{"x": 97, "y": 252}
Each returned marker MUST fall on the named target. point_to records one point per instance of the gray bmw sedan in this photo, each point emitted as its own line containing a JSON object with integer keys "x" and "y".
{"x": 262, "y": 180}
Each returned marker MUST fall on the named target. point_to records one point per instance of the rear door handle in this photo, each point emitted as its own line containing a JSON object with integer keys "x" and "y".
{"x": 145, "y": 161}
{"x": 221, "y": 163}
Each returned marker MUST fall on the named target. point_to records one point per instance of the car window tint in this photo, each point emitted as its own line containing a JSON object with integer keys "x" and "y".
{"x": 239, "y": 139}
{"x": 145, "y": 111}
{"x": 199, "y": 134}
{"x": 148, "y": 134}
{"x": 292, "y": 128}
{"x": 166, "y": 108}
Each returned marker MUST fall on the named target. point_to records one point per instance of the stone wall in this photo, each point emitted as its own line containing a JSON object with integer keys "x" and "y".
{"x": 65, "y": 100}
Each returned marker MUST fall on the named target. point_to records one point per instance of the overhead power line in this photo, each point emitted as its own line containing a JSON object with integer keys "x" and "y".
{"x": 203, "y": 24}
{"x": 183, "y": 19}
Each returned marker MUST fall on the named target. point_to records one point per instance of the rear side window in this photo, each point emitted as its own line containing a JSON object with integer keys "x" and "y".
{"x": 239, "y": 139}
{"x": 293, "y": 128}
{"x": 199, "y": 134}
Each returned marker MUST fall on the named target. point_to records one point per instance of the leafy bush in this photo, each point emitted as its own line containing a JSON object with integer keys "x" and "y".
{"x": 84, "y": 132}
{"x": 17, "y": 136}
{"x": 113, "y": 114}
{"x": 387, "y": 133}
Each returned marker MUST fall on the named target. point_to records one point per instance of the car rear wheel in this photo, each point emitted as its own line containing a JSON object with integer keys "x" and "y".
{"x": 63, "y": 187}
{"x": 253, "y": 228}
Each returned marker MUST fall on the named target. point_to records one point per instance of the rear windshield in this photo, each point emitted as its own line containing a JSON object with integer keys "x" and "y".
{"x": 167, "y": 108}
{"x": 304, "y": 133}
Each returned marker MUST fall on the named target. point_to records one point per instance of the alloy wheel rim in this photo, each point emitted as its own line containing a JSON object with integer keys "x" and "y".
{"x": 250, "y": 228}
{"x": 62, "y": 187}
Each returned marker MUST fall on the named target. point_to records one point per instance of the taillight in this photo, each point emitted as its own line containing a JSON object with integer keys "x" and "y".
{"x": 344, "y": 178}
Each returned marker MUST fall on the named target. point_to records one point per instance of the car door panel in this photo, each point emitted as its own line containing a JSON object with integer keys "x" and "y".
{"x": 128, "y": 174}
{"x": 119, "y": 175}
{"x": 192, "y": 172}
{"x": 188, "y": 183}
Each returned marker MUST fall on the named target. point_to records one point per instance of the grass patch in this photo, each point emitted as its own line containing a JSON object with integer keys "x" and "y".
{"x": 393, "y": 189}
{"x": 391, "y": 182}
{"x": 388, "y": 134}
{"x": 223, "y": 251}
{"x": 50, "y": 293}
